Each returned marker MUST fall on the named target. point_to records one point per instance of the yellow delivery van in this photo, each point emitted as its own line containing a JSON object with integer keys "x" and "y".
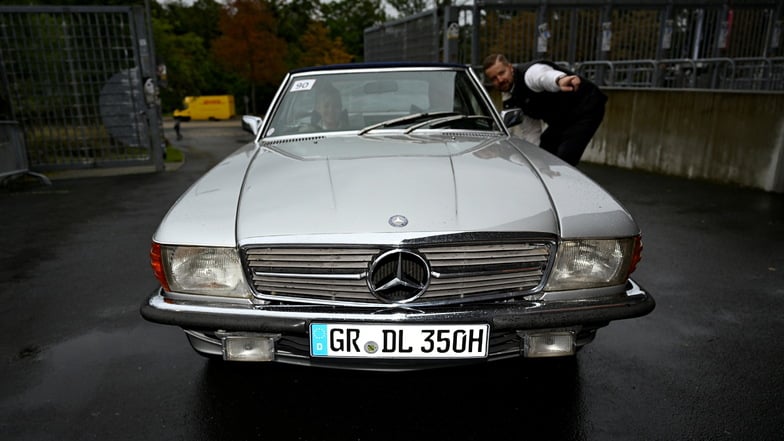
{"x": 208, "y": 107}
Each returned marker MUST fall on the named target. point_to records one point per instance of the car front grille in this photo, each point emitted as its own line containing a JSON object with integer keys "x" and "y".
{"x": 458, "y": 272}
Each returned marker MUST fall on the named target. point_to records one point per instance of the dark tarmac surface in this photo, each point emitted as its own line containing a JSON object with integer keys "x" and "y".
{"x": 79, "y": 363}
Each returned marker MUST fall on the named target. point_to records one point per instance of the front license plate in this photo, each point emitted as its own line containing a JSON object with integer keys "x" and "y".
{"x": 343, "y": 340}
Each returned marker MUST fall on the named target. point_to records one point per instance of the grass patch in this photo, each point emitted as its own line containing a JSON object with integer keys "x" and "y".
{"x": 174, "y": 155}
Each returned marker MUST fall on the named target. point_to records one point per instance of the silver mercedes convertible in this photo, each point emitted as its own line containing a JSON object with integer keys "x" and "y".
{"x": 385, "y": 219}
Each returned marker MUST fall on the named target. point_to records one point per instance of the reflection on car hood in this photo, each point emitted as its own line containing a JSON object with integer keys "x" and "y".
{"x": 349, "y": 185}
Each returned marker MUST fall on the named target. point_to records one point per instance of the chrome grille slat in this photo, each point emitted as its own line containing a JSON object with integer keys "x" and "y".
{"x": 278, "y": 275}
{"x": 458, "y": 272}
{"x": 311, "y": 251}
{"x": 488, "y": 280}
{"x": 479, "y": 248}
{"x": 275, "y": 285}
{"x": 309, "y": 257}
{"x": 328, "y": 295}
{"x": 456, "y": 254}
{"x": 303, "y": 264}
{"x": 335, "y": 260}
{"x": 485, "y": 275}
{"x": 486, "y": 261}
{"x": 464, "y": 285}
{"x": 461, "y": 292}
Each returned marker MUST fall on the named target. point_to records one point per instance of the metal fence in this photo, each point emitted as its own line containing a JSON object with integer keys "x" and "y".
{"x": 13, "y": 156}
{"x": 636, "y": 43}
{"x": 413, "y": 38}
{"x": 80, "y": 82}
{"x": 701, "y": 73}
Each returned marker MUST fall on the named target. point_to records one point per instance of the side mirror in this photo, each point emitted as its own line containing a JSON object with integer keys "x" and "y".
{"x": 251, "y": 124}
{"x": 512, "y": 117}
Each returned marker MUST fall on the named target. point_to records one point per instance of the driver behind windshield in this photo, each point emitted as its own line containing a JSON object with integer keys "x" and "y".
{"x": 328, "y": 111}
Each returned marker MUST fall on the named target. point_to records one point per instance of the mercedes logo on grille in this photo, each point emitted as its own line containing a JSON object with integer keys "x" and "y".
{"x": 398, "y": 276}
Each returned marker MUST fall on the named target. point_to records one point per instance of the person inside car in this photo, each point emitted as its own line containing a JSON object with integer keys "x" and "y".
{"x": 328, "y": 113}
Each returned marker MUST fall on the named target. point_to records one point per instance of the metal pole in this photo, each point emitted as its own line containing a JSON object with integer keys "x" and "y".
{"x": 665, "y": 32}
{"x": 542, "y": 31}
{"x": 698, "y": 34}
{"x": 146, "y": 60}
{"x": 451, "y": 34}
{"x": 476, "y": 21}
{"x": 774, "y": 30}
{"x": 606, "y": 15}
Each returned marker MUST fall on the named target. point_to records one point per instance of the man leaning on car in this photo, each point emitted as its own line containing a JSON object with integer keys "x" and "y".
{"x": 571, "y": 106}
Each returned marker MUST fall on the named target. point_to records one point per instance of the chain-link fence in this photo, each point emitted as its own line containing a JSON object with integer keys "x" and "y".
{"x": 79, "y": 81}
{"x": 636, "y": 43}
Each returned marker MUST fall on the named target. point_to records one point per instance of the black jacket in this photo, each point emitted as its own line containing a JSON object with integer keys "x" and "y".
{"x": 554, "y": 108}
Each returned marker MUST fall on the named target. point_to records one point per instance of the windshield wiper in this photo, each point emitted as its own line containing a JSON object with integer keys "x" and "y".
{"x": 445, "y": 120}
{"x": 405, "y": 119}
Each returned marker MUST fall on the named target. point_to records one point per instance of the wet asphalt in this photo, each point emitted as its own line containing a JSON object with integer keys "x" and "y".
{"x": 79, "y": 363}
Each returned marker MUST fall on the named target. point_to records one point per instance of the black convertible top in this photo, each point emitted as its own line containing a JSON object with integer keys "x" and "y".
{"x": 376, "y": 65}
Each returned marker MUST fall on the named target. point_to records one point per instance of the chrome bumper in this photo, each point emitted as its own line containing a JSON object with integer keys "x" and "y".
{"x": 294, "y": 319}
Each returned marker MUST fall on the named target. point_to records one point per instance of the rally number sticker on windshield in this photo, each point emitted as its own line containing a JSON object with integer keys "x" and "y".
{"x": 301, "y": 85}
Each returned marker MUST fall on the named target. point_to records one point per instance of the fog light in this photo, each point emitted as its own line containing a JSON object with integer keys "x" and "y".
{"x": 549, "y": 344}
{"x": 249, "y": 348}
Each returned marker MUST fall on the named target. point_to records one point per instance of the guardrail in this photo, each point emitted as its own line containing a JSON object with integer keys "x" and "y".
{"x": 703, "y": 73}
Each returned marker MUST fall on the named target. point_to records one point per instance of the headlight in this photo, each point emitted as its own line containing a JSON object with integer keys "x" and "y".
{"x": 202, "y": 270}
{"x": 593, "y": 263}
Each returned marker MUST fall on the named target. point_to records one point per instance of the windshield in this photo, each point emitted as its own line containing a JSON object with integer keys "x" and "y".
{"x": 368, "y": 101}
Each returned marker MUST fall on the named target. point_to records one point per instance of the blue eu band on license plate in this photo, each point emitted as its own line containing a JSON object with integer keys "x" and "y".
{"x": 343, "y": 340}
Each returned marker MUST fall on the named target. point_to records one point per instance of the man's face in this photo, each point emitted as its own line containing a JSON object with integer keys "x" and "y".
{"x": 501, "y": 75}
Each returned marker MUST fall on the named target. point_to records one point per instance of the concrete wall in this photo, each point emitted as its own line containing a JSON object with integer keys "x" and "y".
{"x": 729, "y": 137}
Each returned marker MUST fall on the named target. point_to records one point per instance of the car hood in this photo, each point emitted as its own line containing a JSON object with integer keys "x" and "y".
{"x": 346, "y": 188}
{"x": 355, "y": 185}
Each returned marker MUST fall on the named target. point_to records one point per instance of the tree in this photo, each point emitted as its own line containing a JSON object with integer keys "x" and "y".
{"x": 319, "y": 49}
{"x": 408, "y": 7}
{"x": 249, "y": 45}
{"x": 293, "y": 17}
{"x": 349, "y": 18}
{"x": 185, "y": 58}
{"x": 201, "y": 18}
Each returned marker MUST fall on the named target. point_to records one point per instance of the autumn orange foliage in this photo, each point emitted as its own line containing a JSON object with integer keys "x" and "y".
{"x": 249, "y": 45}
{"x": 320, "y": 49}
